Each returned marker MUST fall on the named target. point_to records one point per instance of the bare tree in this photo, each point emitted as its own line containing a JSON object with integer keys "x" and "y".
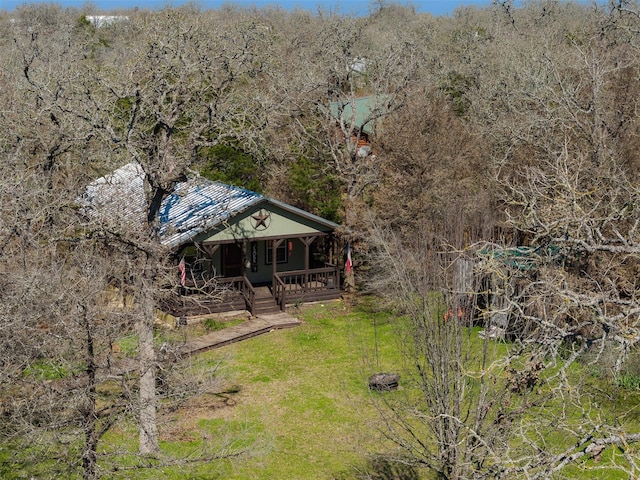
{"x": 570, "y": 184}
{"x": 461, "y": 419}
{"x": 561, "y": 272}
{"x": 69, "y": 114}
{"x": 175, "y": 95}
{"x": 432, "y": 163}
{"x": 473, "y": 406}
{"x": 336, "y": 82}
{"x": 58, "y": 323}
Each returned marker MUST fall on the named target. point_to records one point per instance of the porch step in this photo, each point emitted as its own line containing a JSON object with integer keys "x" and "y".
{"x": 264, "y": 303}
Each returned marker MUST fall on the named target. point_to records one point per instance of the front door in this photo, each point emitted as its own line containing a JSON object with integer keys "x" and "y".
{"x": 232, "y": 258}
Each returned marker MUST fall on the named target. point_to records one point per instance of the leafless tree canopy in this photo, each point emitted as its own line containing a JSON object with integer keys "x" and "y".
{"x": 497, "y": 190}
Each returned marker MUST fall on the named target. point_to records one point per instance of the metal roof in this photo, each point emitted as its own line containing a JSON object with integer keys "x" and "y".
{"x": 195, "y": 206}
{"x": 522, "y": 257}
{"x": 361, "y": 112}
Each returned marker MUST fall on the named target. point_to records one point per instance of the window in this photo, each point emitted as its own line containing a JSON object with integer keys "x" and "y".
{"x": 281, "y": 253}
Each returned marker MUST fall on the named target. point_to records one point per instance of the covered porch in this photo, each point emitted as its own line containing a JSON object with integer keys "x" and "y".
{"x": 261, "y": 275}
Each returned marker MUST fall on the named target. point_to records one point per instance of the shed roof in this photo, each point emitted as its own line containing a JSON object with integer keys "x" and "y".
{"x": 523, "y": 257}
{"x": 360, "y": 112}
{"x": 196, "y": 205}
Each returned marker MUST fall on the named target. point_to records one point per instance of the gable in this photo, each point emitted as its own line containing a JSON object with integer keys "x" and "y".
{"x": 267, "y": 219}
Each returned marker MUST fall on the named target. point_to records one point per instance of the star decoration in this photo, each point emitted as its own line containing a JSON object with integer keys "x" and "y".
{"x": 260, "y": 220}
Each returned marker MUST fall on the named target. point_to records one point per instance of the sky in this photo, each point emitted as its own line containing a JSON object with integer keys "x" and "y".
{"x": 361, "y": 7}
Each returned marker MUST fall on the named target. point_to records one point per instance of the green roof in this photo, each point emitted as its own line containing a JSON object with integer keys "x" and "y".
{"x": 523, "y": 258}
{"x": 358, "y": 112}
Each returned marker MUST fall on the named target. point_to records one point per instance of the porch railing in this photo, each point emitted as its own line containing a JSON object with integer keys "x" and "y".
{"x": 299, "y": 282}
{"x": 280, "y": 293}
{"x": 243, "y": 285}
{"x": 249, "y": 293}
{"x": 291, "y": 286}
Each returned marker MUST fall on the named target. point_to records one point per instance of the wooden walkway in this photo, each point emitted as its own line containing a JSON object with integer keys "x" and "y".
{"x": 250, "y": 328}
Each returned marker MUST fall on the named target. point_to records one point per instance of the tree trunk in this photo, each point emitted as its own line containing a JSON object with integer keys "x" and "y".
{"x": 349, "y": 217}
{"x": 147, "y": 420}
{"x": 89, "y": 456}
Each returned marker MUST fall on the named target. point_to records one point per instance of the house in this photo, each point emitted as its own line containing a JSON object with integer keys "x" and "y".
{"x": 105, "y": 20}
{"x": 358, "y": 117}
{"x": 262, "y": 254}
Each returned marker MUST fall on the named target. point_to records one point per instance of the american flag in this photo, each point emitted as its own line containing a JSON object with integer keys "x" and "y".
{"x": 348, "y": 264}
{"x": 183, "y": 272}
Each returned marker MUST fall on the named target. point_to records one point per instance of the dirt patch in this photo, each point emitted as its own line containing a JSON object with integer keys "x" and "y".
{"x": 177, "y": 423}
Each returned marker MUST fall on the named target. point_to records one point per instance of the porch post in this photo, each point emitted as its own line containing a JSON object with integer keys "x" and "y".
{"x": 306, "y": 263}
{"x": 243, "y": 270}
{"x": 274, "y": 263}
{"x": 333, "y": 260}
{"x": 210, "y": 250}
{"x": 307, "y": 243}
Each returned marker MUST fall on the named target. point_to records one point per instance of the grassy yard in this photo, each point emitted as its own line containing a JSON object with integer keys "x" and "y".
{"x": 306, "y": 390}
{"x": 294, "y": 404}
{"x": 298, "y": 405}
{"x": 301, "y": 407}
